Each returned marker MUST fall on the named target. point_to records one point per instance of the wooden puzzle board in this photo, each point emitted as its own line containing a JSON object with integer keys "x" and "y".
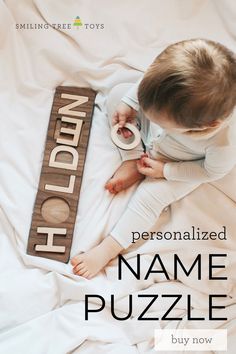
{"x": 56, "y": 203}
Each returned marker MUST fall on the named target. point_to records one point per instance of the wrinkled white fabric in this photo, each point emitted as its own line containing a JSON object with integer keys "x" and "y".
{"x": 41, "y": 301}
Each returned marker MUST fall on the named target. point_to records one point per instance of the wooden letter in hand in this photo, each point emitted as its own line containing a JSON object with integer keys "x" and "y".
{"x": 56, "y": 203}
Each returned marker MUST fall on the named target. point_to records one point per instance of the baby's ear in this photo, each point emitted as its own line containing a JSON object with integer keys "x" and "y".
{"x": 215, "y": 123}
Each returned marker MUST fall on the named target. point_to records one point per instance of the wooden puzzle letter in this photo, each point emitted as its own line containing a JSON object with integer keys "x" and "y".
{"x": 60, "y": 164}
{"x": 56, "y": 203}
{"x": 78, "y": 101}
{"x": 55, "y": 188}
{"x": 74, "y": 132}
{"x": 49, "y": 247}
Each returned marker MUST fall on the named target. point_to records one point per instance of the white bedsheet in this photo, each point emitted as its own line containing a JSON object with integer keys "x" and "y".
{"x": 41, "y": 301}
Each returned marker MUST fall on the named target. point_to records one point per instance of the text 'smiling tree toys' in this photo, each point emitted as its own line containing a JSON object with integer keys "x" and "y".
{"x": 56, "y": 203}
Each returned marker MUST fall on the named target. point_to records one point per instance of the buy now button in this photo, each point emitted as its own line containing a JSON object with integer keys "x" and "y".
{"x": 190, "y": 339}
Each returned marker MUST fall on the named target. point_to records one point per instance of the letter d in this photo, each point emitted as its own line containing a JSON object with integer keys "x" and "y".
{"x": 222, "y": 234}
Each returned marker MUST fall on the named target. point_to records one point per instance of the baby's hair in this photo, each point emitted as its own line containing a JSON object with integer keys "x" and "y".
{"x": 194, "y": 81}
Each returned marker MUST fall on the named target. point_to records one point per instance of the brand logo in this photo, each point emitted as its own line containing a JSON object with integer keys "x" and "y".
{"x": 76, "y": 24}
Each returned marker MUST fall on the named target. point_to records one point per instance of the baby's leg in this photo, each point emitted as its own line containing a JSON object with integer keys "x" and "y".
{"x": 89, "y": 263}
{"x": 127, "y": 174}
{"x": 146, "y": 205}
{"x": 151, "y": 197}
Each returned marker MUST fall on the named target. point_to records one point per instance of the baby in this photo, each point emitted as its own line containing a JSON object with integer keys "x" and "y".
{"x": 183, "y": 106}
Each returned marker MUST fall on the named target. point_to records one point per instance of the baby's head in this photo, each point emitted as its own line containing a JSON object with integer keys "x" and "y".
{"x": 191, "y": 85}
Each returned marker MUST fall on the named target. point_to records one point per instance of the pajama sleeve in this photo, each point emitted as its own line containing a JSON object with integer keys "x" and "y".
{"x": 131, "y": 97}
{"x": 217, "y": 163}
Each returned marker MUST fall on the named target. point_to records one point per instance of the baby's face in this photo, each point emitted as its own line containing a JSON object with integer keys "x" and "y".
{"x": 168, "y": 124}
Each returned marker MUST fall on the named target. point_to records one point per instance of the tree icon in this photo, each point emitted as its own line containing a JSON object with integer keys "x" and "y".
{"x": 77, "y": 22}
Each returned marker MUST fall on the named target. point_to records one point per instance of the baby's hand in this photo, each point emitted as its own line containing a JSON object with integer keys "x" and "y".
{"x": 124, "y": 114}
{"x": 149, "y": 167}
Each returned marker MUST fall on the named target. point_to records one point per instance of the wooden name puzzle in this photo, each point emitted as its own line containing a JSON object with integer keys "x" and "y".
{"x": 56, "y": 203}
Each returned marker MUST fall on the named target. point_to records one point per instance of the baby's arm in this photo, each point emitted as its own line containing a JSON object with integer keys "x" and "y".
{"x": 126, "y": 110}
{"x": 131, "y": 97}
{"x": 217, "y": 163}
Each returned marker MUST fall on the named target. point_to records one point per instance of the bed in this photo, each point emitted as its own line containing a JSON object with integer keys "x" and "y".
{"x": 41, "y": 301}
